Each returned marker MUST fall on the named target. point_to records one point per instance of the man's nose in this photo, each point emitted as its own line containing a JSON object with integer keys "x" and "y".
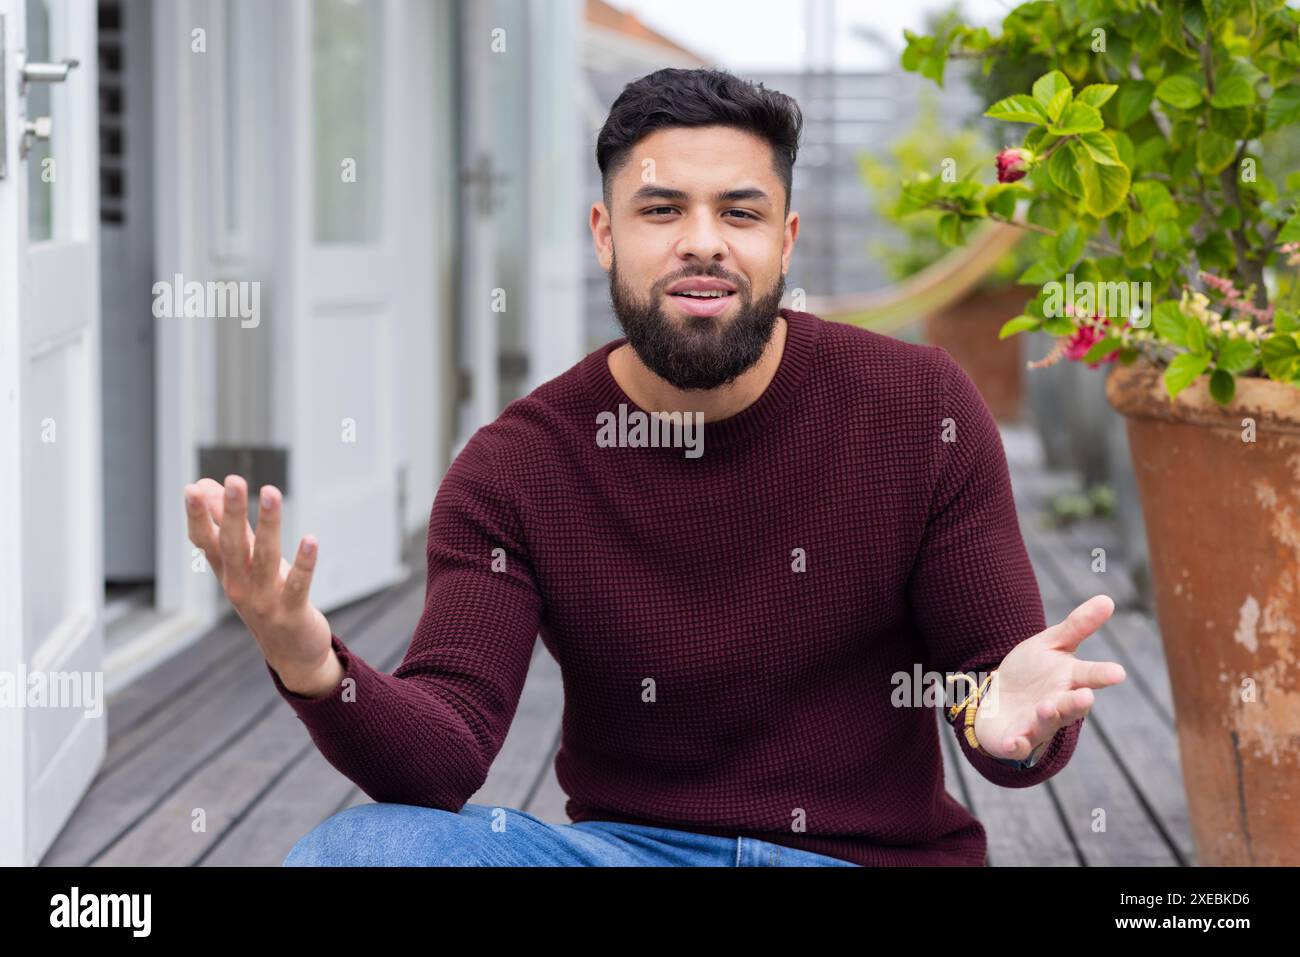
{"x": 701, "y": 238}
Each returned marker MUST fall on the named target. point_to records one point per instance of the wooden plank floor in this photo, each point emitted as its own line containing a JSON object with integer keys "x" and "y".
{"x": 206, "y": 764}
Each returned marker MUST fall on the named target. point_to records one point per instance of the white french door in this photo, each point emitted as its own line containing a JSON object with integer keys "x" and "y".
{"x": 345, "y": 105}
{"x": 51, "y": 524}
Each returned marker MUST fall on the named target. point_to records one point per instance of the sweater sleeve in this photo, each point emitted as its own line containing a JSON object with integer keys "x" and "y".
{"x": 427, "y": 734}
{"x": 972, "y": 589}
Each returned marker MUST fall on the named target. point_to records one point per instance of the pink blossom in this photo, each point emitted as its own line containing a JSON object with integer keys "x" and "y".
{"x": 1084, "y": 338}
{"x": 1223, "y": 286}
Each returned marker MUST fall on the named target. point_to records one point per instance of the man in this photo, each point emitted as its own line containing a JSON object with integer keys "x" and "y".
{"x": 736, "y": 606}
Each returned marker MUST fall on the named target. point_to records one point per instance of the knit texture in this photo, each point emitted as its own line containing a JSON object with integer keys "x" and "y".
{"x": 735, "y": 630}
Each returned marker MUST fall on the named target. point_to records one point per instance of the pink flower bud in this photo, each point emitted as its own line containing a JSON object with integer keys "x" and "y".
{"x": 1013, "y": 163}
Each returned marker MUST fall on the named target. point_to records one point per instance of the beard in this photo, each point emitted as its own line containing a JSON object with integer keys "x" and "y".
{"x": 697, "y": 352}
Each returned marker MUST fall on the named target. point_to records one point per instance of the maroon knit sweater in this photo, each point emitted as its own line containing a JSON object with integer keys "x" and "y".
{"x": 731, "y": 626}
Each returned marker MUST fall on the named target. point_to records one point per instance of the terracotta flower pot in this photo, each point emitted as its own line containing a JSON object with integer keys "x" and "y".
{"x": 968, "y": 331}
{"x": 1223, "y": 525}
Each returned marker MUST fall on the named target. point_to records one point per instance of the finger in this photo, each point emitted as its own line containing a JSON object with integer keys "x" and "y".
{"x": 266, "y": 541}
{"x": 1096, "y": 674}
{"x": 298, "y": 582}
{"x": 1017, "y": 746}
{"x": 214, "y": 497}
{"x": 1082, "y": 622}
{"x": 236, "y": 537}
{"x": 202, "y": 529}
{"x": 1070, "y": 706}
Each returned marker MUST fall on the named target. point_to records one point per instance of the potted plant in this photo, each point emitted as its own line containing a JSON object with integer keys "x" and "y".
{"x": 966, "y": 328}
{"x": 1151, "y": 164}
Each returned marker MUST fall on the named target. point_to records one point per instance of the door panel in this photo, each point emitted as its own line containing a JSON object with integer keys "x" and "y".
{"x": 53, "y": 520}
{"x": 345, "y": 96}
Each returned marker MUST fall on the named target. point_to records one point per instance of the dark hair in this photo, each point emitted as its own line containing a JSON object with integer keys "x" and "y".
{"x": 675, "y": 97}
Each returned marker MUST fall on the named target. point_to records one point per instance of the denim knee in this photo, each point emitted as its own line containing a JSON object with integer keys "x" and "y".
{"x": 385, "y": 834}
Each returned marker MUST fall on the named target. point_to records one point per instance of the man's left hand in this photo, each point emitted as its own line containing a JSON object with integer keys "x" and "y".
{"x": 1040, "y": 687}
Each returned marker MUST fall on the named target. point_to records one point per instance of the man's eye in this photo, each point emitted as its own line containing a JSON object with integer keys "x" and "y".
{"x": 656, "y": 210}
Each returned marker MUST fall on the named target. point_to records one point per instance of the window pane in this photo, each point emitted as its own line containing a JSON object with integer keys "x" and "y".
{"x": 230, "y": 76}
{"x": 40, "y": 200}
{"x": 346, "y": 117}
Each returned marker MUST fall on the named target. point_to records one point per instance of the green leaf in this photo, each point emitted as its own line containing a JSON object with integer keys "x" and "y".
{"x": 1101, "y": 148}
{"x": 1169, "y": 323}
{"x": 1064, "y": 97}
{"x": 1058, "y": 326}
{"x": 1001, "y": 198}
{"x": 1069, "y": 244}
{"x": 1284, "y": 320}
{"x": 1283, "y": 108}
{"x": 1165, "y": 268}
{"x": 1134, "y": 101}
{"x": 1096, "y": 94}
{"x": 1018, "y": 324}
{"x": 1222, "y": 386}
{"x": 1104, "y": 187}
{"x": 918, "y": 194}
{"x": 1102, "y": 348}
{"x": 1151, "y": 155}
{"x": 1232, "y": 91}
{"x": 1041, "y": 271}
{"x": 949, "y": 229}
{"x": 1184, "y": 370}
{"x": 1137, "y": 228}
{"x": 1139, "y": 255}
{"x": 1234, "y": 123}
{"x": 1123, "y": 146}
{"x": 1290, "y": 232}
{"x": 1196, "y": 335}
{"x": 1184, "y": 165}
{"x": 1169, "y": 238}
{"x": 1216, "y": 10}
{"x": 1171, "y": 27}
{"x": 1048, "y": 85}
{"x": 1278, "y": 354}
{"x": 1217, "y": 253}
{"x": 1180, "y": 91}
{"x": 1236, "y": 355}
{"x": 1155, "y": 200}
{"x": 1079, "y": 118}
{"x": 1018, "y": 109}
{"x": 1063, "y": 168}
{"x": 1214, "y": 152}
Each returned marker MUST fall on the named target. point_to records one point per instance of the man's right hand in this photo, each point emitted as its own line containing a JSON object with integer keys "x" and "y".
{"x": 268, "y": 594}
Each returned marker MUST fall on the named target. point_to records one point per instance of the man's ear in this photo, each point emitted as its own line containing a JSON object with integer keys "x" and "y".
{"x": 600, "y": 234}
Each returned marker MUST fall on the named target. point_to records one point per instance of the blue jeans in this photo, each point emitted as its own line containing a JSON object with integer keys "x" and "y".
{"x": 479, "y": 835}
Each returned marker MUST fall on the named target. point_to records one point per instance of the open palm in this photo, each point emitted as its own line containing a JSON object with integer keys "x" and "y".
{"x": 1041, "y": 686}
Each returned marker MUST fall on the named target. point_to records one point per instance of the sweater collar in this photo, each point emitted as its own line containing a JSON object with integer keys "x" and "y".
{"x": 803, "y": 330}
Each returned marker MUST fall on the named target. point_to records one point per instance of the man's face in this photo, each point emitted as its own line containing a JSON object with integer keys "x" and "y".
{"x": 696, "y": 204}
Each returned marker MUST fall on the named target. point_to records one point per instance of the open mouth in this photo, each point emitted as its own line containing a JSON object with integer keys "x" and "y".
{"x": 703, "y": 303}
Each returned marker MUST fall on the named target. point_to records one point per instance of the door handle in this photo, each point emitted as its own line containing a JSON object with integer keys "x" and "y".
{"x": 44, "y": 73}
{"x": 37, "y": 129}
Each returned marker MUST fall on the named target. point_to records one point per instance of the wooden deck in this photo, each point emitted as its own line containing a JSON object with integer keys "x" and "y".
{"x": 206, "y": 764}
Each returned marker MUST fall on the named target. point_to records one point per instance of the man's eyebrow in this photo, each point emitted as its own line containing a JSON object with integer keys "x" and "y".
{"x": 723, "y": 196}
